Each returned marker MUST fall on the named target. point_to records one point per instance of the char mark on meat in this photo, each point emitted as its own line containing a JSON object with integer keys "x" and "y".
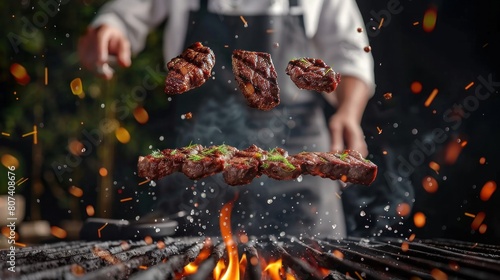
{"x": 257, "y": 78}
{"x": 189, "y": 70}
{"x": 313, "y": 74}
{"x": 241, "y": 167}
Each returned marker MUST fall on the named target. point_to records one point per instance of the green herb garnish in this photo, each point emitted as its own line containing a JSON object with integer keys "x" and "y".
{"x": 265, "y": 165}
{"x": 195, "y": 157}
{"x": 275, "y": 156}
{"x": 157, "y": 154}
{"x": 329, "y": 69}
{"x": 303, "y": 60}
{"x": 343, "y": 156}
{"x": 221, "y": 149}
{"x": 173, "y": 152}
{"x": 366, "y": 160}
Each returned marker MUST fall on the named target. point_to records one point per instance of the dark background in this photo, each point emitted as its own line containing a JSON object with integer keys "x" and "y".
{"x": 462, "y": 48}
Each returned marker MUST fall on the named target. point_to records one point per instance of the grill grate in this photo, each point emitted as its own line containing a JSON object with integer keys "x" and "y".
{"x": 303, "y": 258}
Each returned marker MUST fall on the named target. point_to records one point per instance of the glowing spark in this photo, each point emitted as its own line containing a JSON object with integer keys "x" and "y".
{"x": 34, "y": 133}
{"x": 90, "y": 210}
{"x": 144, "y": 182}
{"x": 434, "y": 166}
{"x": 483, "y": 228}
{"x": 482, "y": 160}
{"x": 270, "y": 31}
{"x": 101, "y": 228}
{"x": 58, "y": 232}
{"x": 430, "y": 18}
{"x": 226, "y": 46}
{"x": 469, "y": 85}
{"x": 20, "y": 74}
{"x": 75, "y": 191}
{"x": 122, "y": 135}
{"x": 405, "y": 246}
{"x": 388, "y": 95}
{"x": 141, "y": 115}
{"x": 22, "y": 182}
{"x": 359, "y": 275}
{"x": 381, "y": 23}
{"x": 412, "y": 237}
{"x": 416, "y": 23}
{"x": 469, "y": 215}
{"x": 5, "y": 134}
{"x": 419, "y": 219}
{"x": 143, "y": 267}
{"x": 384, "y": 152}
{"x": 403, "y": 209}
{"x": 379, "y": 130}
{"x": 478, "y": 220}
{"x": 487, "y": 191}
{"x": 416, "y": 87}
{"x": 484, "y": 46}
{"x": 338, "y": 254}
{"x": 76, "y": 86}
{"x": 245, "y": 23}
{"x": 430, "y": 184}
{"x": 431, "y": 97}
{"x": 125, "y": 199}
{"x": 103, "y": 172}
{"x": 438, "y": 274}
{"x": 46, "y": 76}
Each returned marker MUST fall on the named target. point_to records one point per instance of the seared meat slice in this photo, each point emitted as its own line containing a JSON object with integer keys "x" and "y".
{"x": 312, "y": 74}
{"x": 311, "y": 163}
{"x": 163, "y": 163}
{"x": 278, "y": 165}
{"x": 207, "y": 162}
{"x": 257, "y": 79}
{"x": 190, "y": 69}
{"x": 244, "y": 166}
{"x": 361, "y": 171}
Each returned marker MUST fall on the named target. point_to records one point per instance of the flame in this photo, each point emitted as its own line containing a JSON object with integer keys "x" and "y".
{"x": 430, "y": 18}
{"x": 192, "y": 267}
{"x": 232, "y": 271}
{"x": 218, "y": 269}
{"x": 273, "y": 269}
{"x": 487, "y": 191}
{"x": 243, "y": 265}
{"x": 20, "y": 74}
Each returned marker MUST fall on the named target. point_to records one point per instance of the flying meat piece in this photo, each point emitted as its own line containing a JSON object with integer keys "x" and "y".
{"x": 189, "y": 70}
{"x": 312, "y": 74}
{"x": 257, "y": 78}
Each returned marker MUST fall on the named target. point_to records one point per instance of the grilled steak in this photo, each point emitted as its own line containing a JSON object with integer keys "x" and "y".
{"x": 244, "y": 166}
{"x": 312, "y": 74}
{"x": 240, "y": 167}
{"x": 278, "y": 165}
{"x": 257, "y": 79}
{"x": 190, "y": 69}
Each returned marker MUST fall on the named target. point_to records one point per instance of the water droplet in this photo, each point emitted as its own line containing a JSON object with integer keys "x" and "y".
{"x": 282, "y": 233}
{"x": 334, "y": 226}
{"x": 162, "y": 138}
{"x": 362, "y": 213}
{"x": 299, "y": 179}
{"x": 414, "y": 131}
{"x": 269, "y": 201}
{"x": 157, "y": 230}
{"x": 386, "y": 208}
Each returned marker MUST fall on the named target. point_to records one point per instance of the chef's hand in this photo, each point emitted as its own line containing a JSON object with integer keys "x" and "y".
{"x": 345, "y": 125}
{"x": 99, "y": 44}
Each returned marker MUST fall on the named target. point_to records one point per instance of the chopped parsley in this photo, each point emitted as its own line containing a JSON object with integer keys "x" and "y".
{"x": 329, "y": 69}
{"x": 274, "y": 156}
{"x": 157, "y": 154}
{"x": 221, "y": 149}
{"x": 195, "y": 157}
{"x": 173, "y": 152}
{"x": 343, "y": 156}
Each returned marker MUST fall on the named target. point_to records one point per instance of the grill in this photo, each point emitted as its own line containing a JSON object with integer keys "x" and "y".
{"x": 266, "y": 257}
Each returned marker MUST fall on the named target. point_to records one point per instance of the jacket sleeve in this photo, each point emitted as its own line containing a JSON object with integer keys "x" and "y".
{"x": 340, "y": 44}
{"x": 134, "y": 17}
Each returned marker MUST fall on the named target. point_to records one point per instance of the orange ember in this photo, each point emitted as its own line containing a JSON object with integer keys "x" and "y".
{"x": 122, "y": 135}
{"x": 453, "y": 150}
{"x": 478, "y": 220}
{"x": 469, "y": 85}
{"x": 76, "y": 86}
{"x": 434, "y": 166}
{"x": 403, "y": 209}
{"x": 416, "y": 87}
{"x": 483, "y": 228}
{"x": 20, "y": 74}
{"x": 430, "y": 18}
{"x": 103, "y": 171}
{"x": 58, "y": 232}
{"x": 419, "y": 219}
{"x": 438, "y": 274}
{"x": 482, "y": 160}
{"x": 338, "y": 254}
{"x": 405, "y": 246}
{"x": 232, "y": 271}
{"x": 90, "y": 210}
{"x": 387, "y": 95}
{"x": 141, "y": 115}
{"x": 77, "y": 270}
{"x": 487, "y": 191}
{"x": 430, "y": 184}
{"x": 412, "y": 237}
{"x": 431, "y": 97}
{"x": 75, "y": 191}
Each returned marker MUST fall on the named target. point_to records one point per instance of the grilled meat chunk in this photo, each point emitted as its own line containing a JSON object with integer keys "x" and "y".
{"x": 312, "y": 74}
{"x": 207, "y": 162}
{"x": 257, "y": 78}
{"x": 278, "y": 165}
{"x": 189, "y": 70}
{"x": 244, "y": 166}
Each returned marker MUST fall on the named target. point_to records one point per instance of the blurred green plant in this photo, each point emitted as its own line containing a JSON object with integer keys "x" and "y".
{"x": 43, "y": 39}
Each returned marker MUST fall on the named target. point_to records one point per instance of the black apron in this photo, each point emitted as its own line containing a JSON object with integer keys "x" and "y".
{"x": 220, "y": 115}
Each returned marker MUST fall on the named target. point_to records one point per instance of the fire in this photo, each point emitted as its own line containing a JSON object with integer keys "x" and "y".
{"x": 192, "y": 267}
{"x": 487, "y": 191}
{"x": 273, "y": 269}
{"x": 232, "y": 271}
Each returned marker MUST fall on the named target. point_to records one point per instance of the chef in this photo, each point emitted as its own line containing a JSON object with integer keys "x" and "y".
{"x": 325, "y": 29}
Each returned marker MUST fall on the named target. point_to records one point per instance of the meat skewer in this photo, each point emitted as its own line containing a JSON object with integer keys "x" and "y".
{"x": 312, "y": 74}
{"x": 190, "y": 69}
{"x": 240, "y": 167}
{"x": 256, "y": 78}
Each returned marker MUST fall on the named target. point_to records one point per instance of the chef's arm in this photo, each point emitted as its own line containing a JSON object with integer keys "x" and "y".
{"x": 350, "y": 98}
